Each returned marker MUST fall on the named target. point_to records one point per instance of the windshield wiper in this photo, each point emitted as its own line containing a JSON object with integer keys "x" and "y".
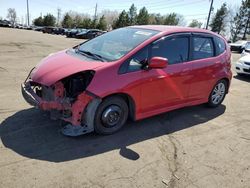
{"x": 88, "y": 53}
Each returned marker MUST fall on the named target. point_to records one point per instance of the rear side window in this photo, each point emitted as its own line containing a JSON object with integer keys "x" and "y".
{"x": 220, "y": 45}
{"x": 202, "y": 48}
{"x": 174, "y": 49}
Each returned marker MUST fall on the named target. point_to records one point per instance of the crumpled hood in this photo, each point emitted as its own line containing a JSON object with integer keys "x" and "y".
{"x": 60, "y": 65}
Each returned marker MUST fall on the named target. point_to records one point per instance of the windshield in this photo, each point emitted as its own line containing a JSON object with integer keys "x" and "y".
{"x": 115, "y": 44}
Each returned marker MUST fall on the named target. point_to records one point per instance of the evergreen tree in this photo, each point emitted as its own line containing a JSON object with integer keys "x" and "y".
{"x": 240, "y": 25}
{"x": 171, "y": 19}
{"x": 49, "y": 20}
{"x": 218, "y": 22}
{"x": 102, "y": 24}
{"x": 195, "y": 23}
{"x": 77, "y": 20}
{"x": 93, "y": 24}
{"x": 143, "y": 17}
{"x": 132, "y": 14}
{"x": 38, "y": 21}
{"x": 67, "y": 21}
{"x": 159, "y": 19}
{"x": 86, "y": 23}
{"x": 122, "y": 20}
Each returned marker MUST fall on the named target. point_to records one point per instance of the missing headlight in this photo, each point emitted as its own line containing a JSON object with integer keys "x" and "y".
{"x": 77, "y": 83}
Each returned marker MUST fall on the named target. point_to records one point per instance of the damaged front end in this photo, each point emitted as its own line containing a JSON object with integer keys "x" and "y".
{"x": 67, "y": 100}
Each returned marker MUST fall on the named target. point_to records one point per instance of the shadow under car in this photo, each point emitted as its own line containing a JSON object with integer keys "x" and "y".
{"x": 32, "y": 134}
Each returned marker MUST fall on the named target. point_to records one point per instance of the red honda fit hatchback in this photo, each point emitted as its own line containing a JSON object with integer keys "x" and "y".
{"x": 135, "y": 72}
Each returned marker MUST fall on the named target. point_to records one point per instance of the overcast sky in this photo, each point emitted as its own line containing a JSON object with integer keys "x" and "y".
{"x": 191, "y": 9}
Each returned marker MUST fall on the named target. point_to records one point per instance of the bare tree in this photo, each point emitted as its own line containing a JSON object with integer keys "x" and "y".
{"x": 12, "y": 16}
{"x": 110, "y": 17}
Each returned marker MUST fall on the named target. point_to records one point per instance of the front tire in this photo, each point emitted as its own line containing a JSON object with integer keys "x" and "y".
{"x": 111, "y": 115}
{"x": 218, "y": 94}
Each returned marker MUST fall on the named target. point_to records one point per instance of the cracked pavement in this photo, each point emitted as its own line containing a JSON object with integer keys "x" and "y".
{"x": 189, "y": 147}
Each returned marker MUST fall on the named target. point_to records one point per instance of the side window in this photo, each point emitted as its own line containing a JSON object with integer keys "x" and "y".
{"x": 202, "y": 48}
{"x": 220, "y": 45}
{"x": 175, "y": 49}
{"x": 135, "y": 63}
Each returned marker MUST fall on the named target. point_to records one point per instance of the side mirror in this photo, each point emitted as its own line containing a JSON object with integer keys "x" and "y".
{"x": 158, "y": 62}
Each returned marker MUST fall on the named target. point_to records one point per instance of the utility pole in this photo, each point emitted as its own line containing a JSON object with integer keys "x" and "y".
{"x": 95, "y": 11}
{"x": 58, "y": 16}
{"x": 210, "y": 10}
{"x": 28, "y": 14}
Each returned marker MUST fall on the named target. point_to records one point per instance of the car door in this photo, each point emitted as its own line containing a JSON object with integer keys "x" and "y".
{"x": 204, "y": 65}
{"x": 168, "y": 87}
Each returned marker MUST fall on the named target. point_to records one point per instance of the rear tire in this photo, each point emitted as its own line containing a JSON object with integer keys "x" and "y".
{"x": 218, "y": 94}
{"x": 111, "y": 115}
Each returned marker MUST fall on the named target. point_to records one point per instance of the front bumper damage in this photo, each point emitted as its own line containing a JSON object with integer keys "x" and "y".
{"x": 79, "y": 113}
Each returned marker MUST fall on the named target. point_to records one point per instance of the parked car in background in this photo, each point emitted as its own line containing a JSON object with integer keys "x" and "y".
{"x": 135, "y": 72}
{"x": 19, "y": 26}
{"x": 38, "y": 28}
{"x": 243, "y": 65}
{"x": 48, "y": 29}
{"x": 67, "y": 30}
{"x": 89, "y": 34}
{"x": 5, "y": 23}
{"x": 73, "y": 32}
{"x": 246, "y": 50}
{"x": 238, "y": 46}
{"x": 58, "y": 31}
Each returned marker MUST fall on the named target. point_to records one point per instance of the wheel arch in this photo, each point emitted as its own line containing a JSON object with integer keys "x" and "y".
{"x": 227, "y": 81}
{"x": 130, "y": 102}
{"x": 222, "y": 78}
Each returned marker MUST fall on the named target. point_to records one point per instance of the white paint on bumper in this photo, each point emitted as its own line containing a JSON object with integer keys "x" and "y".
{"x": 239, "y": 68}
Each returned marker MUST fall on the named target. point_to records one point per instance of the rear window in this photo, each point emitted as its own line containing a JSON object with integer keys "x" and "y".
{"x": 220, "y": 45}
{"x": 202, "y": 48}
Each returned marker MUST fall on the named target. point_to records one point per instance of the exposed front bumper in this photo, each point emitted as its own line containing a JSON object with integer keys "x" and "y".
{"x": 34, "y": 100}
{"x": 29, "y": 95}
{"x": 59, "y": 103}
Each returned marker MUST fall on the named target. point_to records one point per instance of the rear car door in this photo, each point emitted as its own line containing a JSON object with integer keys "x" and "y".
{"x": 205, "y": 65}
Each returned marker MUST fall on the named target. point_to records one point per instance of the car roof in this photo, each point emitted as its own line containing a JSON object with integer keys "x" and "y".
{"x": 172, "y": 29}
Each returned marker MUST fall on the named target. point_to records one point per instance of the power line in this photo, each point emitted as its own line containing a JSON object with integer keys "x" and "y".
{"x": 173, "y": 5}
{"x": 195, "y": 15}
{"x": 159, "y": 3}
